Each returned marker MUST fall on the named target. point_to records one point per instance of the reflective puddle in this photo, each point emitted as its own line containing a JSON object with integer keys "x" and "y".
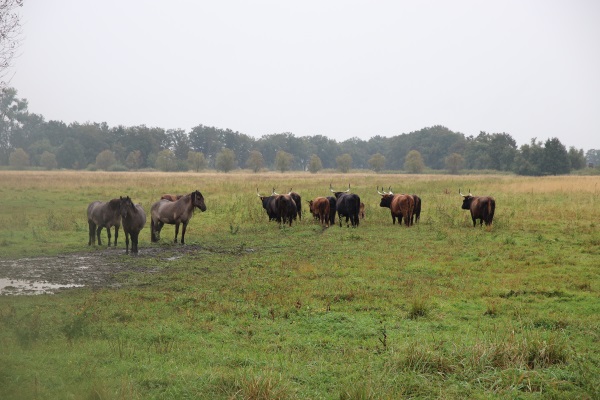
{"x": 18, "y": 286}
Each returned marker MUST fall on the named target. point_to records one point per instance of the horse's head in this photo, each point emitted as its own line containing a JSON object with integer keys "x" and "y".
{"x": 198, "y": 200}
{"x": 126, "y": 206}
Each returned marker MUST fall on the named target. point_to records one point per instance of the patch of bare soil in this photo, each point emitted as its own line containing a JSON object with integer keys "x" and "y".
{"x": 41, "y": 275}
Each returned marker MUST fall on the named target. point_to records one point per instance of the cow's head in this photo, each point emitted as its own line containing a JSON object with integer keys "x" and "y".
{"x": 467, "y": 200}
{"x": 386, "y": 197}
{"x": 310, "y": 206}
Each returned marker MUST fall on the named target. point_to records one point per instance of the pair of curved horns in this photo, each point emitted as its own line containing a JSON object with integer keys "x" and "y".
{"x": 384, "y": 192}
{"x": 333, "y": 191}
{"x": 464, "y": 195}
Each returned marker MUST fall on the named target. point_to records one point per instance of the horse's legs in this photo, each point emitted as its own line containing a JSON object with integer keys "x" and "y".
{"x": 92, "y": 233}
{"x": 98, "y": 231}
{"x": 177, "y": 232}
{"x": 182, "y": 233}
{"x": 116, "y": 234}
{"x": 134, "y": 242}
{"x": 127, "y": 243}
{"x": 153, "y": 233}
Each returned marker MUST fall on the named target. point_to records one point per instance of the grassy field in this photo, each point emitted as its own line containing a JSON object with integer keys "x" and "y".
{"x": 249, "y": 310}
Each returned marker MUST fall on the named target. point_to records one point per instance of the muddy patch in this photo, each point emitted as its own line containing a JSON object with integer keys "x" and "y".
{"x": 47, "y": 275}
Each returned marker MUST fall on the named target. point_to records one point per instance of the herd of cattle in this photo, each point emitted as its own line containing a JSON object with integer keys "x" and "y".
{"x": 283, "y": 208}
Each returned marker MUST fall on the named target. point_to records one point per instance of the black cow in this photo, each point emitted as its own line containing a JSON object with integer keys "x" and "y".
{"x": 332, "y": 209}
{"x": 287, "y": 208}
{"x": 298, "y": 200}
{"x": 347, "y": 205}
{"x": 417, "y": 210}
{"x": 270, "y": 206}
{"x": 482, "y": 208}
{"x": 279, "y": 207}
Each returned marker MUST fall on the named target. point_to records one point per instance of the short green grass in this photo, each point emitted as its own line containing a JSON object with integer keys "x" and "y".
{"x": 254, "y": 311}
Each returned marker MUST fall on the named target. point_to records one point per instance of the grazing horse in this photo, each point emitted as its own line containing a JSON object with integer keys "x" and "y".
{"x": 174, "y": 213}
{"x": 103, "y": 215}
{"x": 133, "y": 218}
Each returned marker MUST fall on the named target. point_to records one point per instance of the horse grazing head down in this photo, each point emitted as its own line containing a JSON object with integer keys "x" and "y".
{"x": 198, "y": 200}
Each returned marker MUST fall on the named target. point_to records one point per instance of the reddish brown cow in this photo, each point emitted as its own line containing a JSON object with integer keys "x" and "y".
{"x": 400, "y": 205}
{"x": 319, "y": 207}
{"x": 171, "y": 197}
{"x": 361, "y": 211}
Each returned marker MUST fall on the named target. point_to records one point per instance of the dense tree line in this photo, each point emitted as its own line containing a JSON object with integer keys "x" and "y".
{"x": 28, "y": 140}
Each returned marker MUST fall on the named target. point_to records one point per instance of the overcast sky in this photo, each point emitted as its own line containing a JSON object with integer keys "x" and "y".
{"x": 338, "y": 68}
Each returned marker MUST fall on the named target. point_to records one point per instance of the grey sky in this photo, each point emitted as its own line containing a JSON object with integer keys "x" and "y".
{"x": 338, "y": 68}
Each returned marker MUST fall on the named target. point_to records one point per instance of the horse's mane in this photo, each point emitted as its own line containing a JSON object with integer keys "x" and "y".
{"x": 115, "y": 203}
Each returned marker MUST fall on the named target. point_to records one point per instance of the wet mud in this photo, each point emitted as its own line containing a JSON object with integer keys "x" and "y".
{"x": 47, "y": 275}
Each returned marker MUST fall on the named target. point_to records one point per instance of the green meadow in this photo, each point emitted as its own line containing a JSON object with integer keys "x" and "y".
{"x": 247, "y": 309}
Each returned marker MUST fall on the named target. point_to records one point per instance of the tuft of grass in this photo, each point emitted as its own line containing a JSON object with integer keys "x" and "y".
{"x": 419, "y": 307}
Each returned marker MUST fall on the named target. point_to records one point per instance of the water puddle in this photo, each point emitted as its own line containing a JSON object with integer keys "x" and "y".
{"x": 28, "y": 287}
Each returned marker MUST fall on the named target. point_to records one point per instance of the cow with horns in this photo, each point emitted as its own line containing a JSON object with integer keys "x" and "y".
{"x": 347, "y": 205}
{"x": 279, "y": 207}
{"x": 400, "y": 205}
{"x": 482, "y": 207}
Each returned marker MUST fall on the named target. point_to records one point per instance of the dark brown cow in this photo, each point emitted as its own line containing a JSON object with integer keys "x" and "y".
{"x": 347, "y": 205}
{"x": 400, "y": 205}
{"x": 417, "y": 211}
{"x": 298, "y": 201}
{"x": 319, "y": 207}
{"x": 171, "y": 197}
{"x": 482, "y": 208}
{"x": 279, "y": 207}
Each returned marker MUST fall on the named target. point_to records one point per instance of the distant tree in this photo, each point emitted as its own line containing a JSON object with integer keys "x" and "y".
{"x": 18, "y": 159}
{"x": 315, "y": 164}
{"x": 166, "y": 160}
{"x": 413, "y": 162}
{"x": 105, "y": 159}
{"x": 196, "y": 160}
{"x": 576, "y": 158}
{"x": 283, "y": 161}
{"x": 454, "y": 163}
{"x": 344, "y": 162}
{"x": 377, "y": 162}
{"x": 37, "y": 148}
{"x": 529, "y": 159}
{"x": 255, "y": 161}
{"x": 48, "y": 160}
{"x": 70, "y": 154}
{"x": 10, "y": 29}
{"x": 225, "y": 160}
{"x": 179, "y": 142}
{"x": 555, "y": 158}
{"x": 134, "y": 160}
{"x": 12, "y": 111}
{"x": 593, "y": 157}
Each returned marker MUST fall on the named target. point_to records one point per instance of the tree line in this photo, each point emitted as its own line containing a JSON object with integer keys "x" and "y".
{"x": 28, "y": 140}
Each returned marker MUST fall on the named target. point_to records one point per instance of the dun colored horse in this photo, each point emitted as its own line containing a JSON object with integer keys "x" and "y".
{"x": 103, "y": 215}
{"x": 133, "y": 218}
{"x": 171, "y": 197}
{"x": 174, "y": 213}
